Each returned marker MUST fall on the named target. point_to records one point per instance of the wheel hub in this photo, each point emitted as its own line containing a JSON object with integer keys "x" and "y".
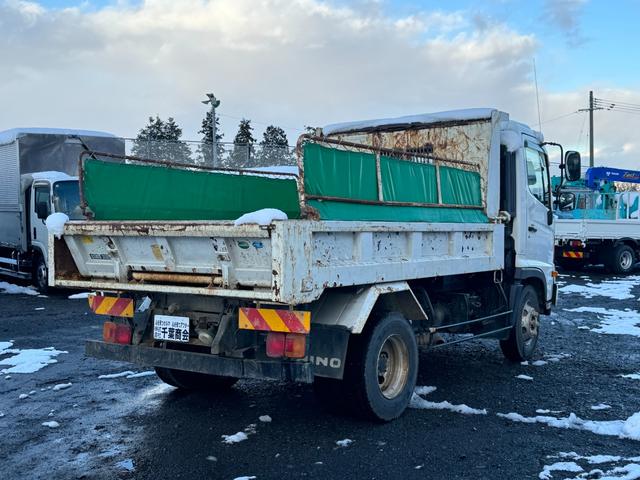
{"x": 626, "y": 260}
{"x": 529, "y": 323}
{"x": 392, "y": 366}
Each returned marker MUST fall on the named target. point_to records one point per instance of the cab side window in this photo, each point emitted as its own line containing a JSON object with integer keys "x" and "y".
{"x": 537, "y": 175}
{"x": 42, "y": 201}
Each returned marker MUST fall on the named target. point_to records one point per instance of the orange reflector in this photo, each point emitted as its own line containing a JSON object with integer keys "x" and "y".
{"x": 116, "y": 333}
{"x": 115, "y": 306}
{"x": 271, "y": 320}
{"x": 554, "y": 274}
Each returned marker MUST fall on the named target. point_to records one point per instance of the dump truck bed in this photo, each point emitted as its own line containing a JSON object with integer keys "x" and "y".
{"x": 290, "y": 262}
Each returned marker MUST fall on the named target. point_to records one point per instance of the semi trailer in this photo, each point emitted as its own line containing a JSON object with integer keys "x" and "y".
{"x": 400, "y": 233}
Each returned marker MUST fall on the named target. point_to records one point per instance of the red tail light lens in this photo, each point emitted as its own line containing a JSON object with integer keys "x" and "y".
{"x": 116, "y": 333}
{"x": 275, "y": 344}
{"x": 295, "y": 345}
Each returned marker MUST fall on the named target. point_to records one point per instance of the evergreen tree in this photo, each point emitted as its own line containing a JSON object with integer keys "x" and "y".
{"x": 204, "y": 150}
{"x": 243, "y": 146}
{"x": 160, "y": 140}
{"x": 274, "y": 147}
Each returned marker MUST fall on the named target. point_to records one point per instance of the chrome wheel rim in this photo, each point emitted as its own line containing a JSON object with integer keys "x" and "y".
{"x": 392, "y": 366}
{"x": 626, "y": 260}
{"x": 529, "y": 323}
{"x": 41, "y": 275}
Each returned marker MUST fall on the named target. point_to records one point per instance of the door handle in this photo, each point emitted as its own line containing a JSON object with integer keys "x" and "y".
{"x": 34, "y": 233}
{"x": 532, "y": 228}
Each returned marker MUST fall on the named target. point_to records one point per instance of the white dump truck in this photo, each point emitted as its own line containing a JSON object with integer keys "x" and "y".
{"x": 37, "y": 178}
{"x": 414, "y": 231}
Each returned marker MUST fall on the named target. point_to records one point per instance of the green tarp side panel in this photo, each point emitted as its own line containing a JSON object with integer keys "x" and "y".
{"x": 460, "y": 187}
{"x": 330, "y": 172}
{"x": 392, "y": 213}
{"x": 404, "y": 181}
{"x": 118, "y": 191}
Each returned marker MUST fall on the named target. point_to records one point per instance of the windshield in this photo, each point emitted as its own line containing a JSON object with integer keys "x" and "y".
{"x": 66, "y": 199}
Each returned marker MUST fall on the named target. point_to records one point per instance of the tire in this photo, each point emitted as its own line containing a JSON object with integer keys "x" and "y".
{"x": 194, "y": 381}
{"x": 381, "y": 369}
{"x": 39, "y": 275}
{"x": 523, "y": 337}
{"x": 622, "y": 259}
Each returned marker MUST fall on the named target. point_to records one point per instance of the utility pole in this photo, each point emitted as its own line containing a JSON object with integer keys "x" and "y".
{"x": 211, "y": 99}
{"x": 591, "y": 128}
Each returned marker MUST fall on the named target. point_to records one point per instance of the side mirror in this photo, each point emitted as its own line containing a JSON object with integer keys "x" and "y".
{"x": 572, "y": 166}
{"x": 42, "y": 210}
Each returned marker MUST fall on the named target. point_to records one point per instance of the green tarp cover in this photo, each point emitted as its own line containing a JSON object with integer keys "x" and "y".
{"x": 118, "y": 191}
{"x": 345, "y": 174}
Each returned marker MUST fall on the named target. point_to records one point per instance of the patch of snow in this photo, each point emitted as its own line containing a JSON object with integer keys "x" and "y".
{"x": 544, "y": 411}
{"x": 61, "y": 386}
{"x": 251, "y": 477}
{"x": 632, "y": 376}
{"x": 39, "y": 308}
{"x": 525, "y": 377}
{"x": 264, "y": 418}
{"x": 510, "y": 139}
{"x": 235, "y": 438}
{"x": 545, "y": 474}
{"x": 148, "y": 373}
{"x": 211, "y": 458}
{"x": 538, "y": 363}
{"x": 525, "y": 363}
{"x": 127, "y": 374}
{"x": 264, "y": 216}
{"x": 420, "y": 403}
{"x": 629, "y": 428}
{"x": 79, "y": 296}
{"x": 409, "y": 120}
{"x": 6, "y": 287}
{"x": 425, "y": 390}
{"x": 624, "y": 470}
{"x": 29, "y": 360}
{"x": 618, "y": 289}
{"x": 126, "y": 465}
{"x": 145, "y": 304}
{"x": 556, "y": 357}
{"x": 600, "y": 406}
{"x": 614, "y": 322}
{"x": 344, "y": 443}
{"x": 1, "y": 414}
{"x": 55, "y": 223}
{"x": 51, "y": 424}
{"x": 5, "y": 346}
{"x": 22, "y": 396}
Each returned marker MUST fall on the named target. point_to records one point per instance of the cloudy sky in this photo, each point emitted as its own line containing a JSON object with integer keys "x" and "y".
{"x": 108, "y": 65}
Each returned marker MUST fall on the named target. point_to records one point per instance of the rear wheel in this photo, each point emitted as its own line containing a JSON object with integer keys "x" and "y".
{"x": 523, "y": 336}
{"x": 622, "y": 259}
{"x": 40, "y": 274}
{"x": 194, "y": 381}
{"x": 381, "y": 370}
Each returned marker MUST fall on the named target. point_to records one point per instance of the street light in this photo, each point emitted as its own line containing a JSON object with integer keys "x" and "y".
{"x": 211, "y": 99}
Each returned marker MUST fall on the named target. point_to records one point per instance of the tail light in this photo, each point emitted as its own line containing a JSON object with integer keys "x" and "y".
{"x": 288, "y": 345}
{"x": 116, "y": 333}
{"x": 576, "y": 243}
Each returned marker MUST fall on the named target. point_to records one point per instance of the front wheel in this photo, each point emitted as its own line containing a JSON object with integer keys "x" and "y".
{"x": 523, "y": 337}
{"x": 194, "y": 381}
{"x": 39, "y": 275}
{"x": 381, "y": 370}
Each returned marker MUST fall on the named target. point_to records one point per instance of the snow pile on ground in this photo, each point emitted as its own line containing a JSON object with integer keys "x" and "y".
{"x": 28, "y": 360}
{"x": 600, "y": 406}
{"x": 61, "y": 386}
{"x": 126, "y": 465}
{"x": 262, "y": 217}
{"x": 623, "y": 468}
{"x": 6, "y": 287}
{"x": 251, "y": 477}
{"x": 344, "y": 443}
{"x": 618, "y": 289}
{"x": 127, "y": 374}
{"x": 235, "y": 438}
{"x": 629, "y": 428}
{"x": 264, "y": 418}
{"x": 55, "y": 223}
{"x": 79, "y": 296}
{"x": 420, "y": 403}
{"x": 51, "y": 424}
{"x": 632, "y": 376}
{"x": 614, "y": 322}
{"x": 524, "y": 377}
{"x": 559, "y": 467}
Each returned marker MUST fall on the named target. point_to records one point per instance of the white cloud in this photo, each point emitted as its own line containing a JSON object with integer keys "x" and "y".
{"x": 292, "y": 63}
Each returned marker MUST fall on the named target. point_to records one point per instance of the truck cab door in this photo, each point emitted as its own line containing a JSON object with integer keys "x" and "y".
{"x": 535, "y": 245}
{"x": 39, "y": 211}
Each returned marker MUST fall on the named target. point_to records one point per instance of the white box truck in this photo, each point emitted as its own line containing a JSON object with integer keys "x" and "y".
{"x": 38, "y": 168}
{"x": 408, "y": 230}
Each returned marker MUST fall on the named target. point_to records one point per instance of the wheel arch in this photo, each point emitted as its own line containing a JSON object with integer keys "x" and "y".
{"x": 535, "y": 278}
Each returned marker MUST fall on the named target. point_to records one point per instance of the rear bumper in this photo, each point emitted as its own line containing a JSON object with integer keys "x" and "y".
{"x": 290, "y": 371}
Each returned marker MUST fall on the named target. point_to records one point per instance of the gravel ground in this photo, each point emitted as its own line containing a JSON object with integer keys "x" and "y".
{"x": 139, "y": 428}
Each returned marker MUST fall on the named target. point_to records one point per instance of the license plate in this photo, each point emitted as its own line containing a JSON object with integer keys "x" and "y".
{"x": 170, "y": 328}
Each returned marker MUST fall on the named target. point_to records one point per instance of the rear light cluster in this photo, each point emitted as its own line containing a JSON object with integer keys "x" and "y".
{"x": 576, "y": 243}
{"x": 116, "y": 333}
{"x": 290, "y": 345}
